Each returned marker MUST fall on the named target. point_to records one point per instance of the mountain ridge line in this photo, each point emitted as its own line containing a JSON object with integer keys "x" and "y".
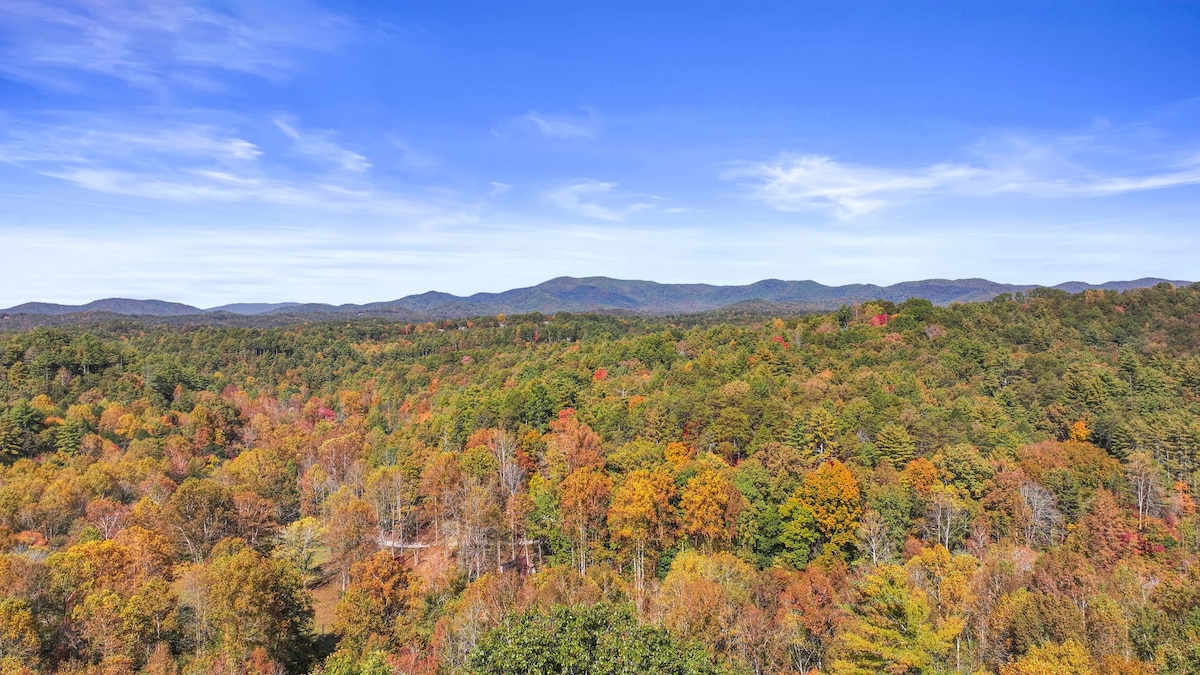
{"x": 582, "y": 294}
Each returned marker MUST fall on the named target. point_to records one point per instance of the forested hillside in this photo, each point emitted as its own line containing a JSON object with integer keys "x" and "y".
{"x": 997, "y": 487}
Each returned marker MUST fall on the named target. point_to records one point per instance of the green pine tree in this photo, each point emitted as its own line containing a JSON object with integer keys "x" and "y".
{"x": 891, "y": 631}
{"x": 895, "y": 444}
{"x": 815, "y": 434}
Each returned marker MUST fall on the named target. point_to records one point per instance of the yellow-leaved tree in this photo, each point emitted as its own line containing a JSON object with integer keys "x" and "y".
{"x": 831, "y": 495}
{"x": 709, "y": 505}
{"x": 641, "y": 521}
{"x": 892, "y": 630}
{"x": 1068, "y": 658}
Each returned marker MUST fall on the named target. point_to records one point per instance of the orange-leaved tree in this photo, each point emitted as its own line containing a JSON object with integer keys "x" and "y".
{"x": 585, "y": 494}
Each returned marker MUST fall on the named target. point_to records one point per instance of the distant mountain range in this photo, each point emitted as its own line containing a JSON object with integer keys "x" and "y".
{"x": 589, "y": 294}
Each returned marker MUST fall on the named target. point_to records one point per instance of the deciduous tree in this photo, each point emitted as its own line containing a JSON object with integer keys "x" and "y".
{"x": 891, "y": 630}
{"x": 831, "y": 494}
{"x": 585, "y": 495}
{"x": 709, "y": 505}
{"x": 641, "y": 520}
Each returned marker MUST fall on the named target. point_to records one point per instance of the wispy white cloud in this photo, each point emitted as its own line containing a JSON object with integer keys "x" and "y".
{"x": 409, "y": 158}
{"x": 580, "y": 197}
{"x": 156, "y": 44}
{"x": 563, "y": 127}
{"x": 206, "y": 164}
{"x": 207, "y": 185}
{"x": 1070, "y": 166}
{"x": 33, "y": 143}
{"x": 320, "y": 145}
{"x": 498, "y": 188}
{"x": 795, "y": 183}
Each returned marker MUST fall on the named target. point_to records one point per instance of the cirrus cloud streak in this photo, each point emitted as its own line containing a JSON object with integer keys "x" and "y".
{"x": 199, "y": 163}
{"x": 1064, "y": 168}
{"x": 158, "y": 44}
{"x": 584, "y": 197}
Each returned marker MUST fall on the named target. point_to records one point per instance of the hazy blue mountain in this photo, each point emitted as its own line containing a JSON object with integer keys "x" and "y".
{"x": 113, "y": 305}
{"x": 602, "y": 293}
{"x": 47, "y": 308}
{"x": 1079, "y": 286}
{"x": 570, "y": 294}
{"x": 251, "y": 308}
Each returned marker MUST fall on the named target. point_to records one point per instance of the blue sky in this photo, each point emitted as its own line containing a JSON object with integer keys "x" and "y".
{"x": 357, "y": 151}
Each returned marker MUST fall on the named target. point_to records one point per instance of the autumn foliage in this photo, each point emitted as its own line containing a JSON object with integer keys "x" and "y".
{"x": 1003, "y": 487}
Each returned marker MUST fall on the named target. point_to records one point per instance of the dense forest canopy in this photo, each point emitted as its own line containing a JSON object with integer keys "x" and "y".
{"x": 997, "y": 487}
